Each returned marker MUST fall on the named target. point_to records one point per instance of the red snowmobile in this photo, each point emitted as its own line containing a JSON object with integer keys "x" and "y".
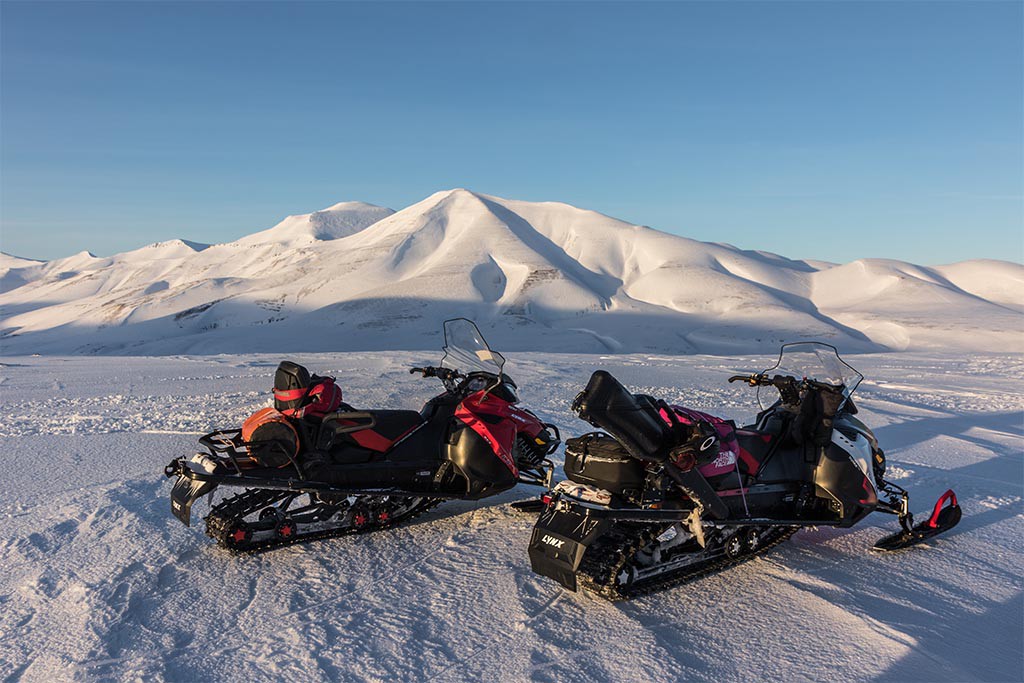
{"x": 313, "y": 467}
{"x": 670, "y": 494}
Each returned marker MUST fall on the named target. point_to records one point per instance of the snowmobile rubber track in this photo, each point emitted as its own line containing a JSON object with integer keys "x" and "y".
{"x": 598, "y": 570}
{"x": 225, "y": 516}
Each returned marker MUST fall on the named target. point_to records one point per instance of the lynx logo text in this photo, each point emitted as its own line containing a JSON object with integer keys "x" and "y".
{"x": 552, "y": 541}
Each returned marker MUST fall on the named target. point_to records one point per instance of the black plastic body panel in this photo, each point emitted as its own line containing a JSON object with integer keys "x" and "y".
{"x": 837, "y": 478}
{"x": 782, "y": 460}
{"x": 764, "y": 500}
{"x": 473, "y": 457}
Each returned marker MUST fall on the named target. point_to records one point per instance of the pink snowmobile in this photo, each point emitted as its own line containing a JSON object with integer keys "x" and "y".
{"x": 669, "y": 494}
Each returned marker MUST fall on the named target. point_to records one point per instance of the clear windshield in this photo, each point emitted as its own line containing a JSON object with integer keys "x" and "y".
{"x": 466, "y": 350}
{"x": 817, "y": 361}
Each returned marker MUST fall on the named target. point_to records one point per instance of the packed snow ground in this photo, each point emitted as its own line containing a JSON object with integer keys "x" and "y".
{"x": 100, "y": 582}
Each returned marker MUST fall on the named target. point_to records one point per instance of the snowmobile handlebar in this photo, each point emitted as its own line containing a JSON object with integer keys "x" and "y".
{"x": 443, "y": 373}
{"x": 783, "y": 381}
{"x": 756, "y": 380}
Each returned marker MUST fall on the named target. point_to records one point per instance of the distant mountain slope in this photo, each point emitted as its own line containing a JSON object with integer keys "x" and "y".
{"x": 544, "y": 276}
{"x": 335, "y": 222}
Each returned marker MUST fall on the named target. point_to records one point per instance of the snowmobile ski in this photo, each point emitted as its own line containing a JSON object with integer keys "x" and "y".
{"x": 941, "y": 520}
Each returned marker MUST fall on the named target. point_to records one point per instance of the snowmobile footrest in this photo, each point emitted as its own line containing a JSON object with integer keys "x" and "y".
{"x": 532, "y": 505}
{"x": 942, "y": 519}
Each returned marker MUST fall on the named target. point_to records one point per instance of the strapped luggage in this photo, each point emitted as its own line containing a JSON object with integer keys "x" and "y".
{"x": 599, "y": 460}
{"x": 270, "y": 438}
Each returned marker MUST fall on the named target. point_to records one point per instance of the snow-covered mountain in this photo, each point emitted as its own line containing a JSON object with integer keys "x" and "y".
{"x": 543, "y": 276}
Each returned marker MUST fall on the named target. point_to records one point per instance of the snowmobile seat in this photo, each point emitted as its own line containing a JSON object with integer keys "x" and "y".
{"x": 388, "y": 427}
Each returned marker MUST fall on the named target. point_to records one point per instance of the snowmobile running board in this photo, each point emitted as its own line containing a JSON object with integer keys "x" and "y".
{"x": 193, "y": 484}
{"x": 656, "y": 515}
{"x": 179, "y": 468}
{"x": 941, "y": 520}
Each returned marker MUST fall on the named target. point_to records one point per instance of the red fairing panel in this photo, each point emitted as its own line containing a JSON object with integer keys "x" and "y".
{"x": 526, "y": 422}
{"x": 500, "y": 433}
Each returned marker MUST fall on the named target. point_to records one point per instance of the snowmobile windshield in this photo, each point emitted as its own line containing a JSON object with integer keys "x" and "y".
{"x": 816, "y": 361}
{"x": 466, "y": 350}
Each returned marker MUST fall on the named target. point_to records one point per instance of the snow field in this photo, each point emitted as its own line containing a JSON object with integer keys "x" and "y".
{"x": 99, "y": 582}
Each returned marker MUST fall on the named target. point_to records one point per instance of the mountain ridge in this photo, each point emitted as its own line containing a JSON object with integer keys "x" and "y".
{"x": 541, "y": 275}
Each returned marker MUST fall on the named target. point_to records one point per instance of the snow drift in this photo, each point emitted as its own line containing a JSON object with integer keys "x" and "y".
{"x": 547, "y": 275}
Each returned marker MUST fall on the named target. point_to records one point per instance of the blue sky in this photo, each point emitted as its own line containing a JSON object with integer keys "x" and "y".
{"x": 815, "y": 130}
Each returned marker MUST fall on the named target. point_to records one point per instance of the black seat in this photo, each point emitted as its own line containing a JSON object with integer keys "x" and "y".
{"x": 376, "y": 430}
{"x": 394, "y": 424}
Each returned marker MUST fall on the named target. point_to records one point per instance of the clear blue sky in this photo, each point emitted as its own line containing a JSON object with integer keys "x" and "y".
{"x": 816, "y": 130}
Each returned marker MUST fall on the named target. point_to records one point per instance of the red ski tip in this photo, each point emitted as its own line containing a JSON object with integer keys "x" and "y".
{"x": 933, "y": 521}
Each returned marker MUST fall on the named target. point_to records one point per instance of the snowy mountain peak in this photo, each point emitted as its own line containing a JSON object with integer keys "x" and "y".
{"x": 335, "y": 222}
{"x": 11, "y": 261}
{"x": 171, "y": 247}
{"x": 535, "y": 275}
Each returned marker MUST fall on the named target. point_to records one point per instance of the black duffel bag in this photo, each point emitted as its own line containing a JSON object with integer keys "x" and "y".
{"x": 597, "y": 459}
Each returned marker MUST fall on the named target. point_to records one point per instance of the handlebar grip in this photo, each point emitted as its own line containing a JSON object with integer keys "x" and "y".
{"x": 442, "y": 373}
{"x": 752, "y": 380}
{"x": 824, "y": 386}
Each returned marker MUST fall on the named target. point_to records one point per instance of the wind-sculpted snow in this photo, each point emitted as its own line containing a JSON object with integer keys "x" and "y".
{"x": 99, "y": 582}
{"x": 542, "y": 276}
